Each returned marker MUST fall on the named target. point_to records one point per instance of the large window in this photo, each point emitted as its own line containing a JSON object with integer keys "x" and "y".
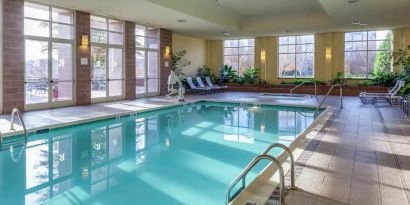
{"x": 147, "y": 60}
{"x": 366, "y": 52}
{"x": 239, "y": 54}
{"x": 48, "y": 33}
{"x": 107, "y": 44}
{"x": 296, "y": 56}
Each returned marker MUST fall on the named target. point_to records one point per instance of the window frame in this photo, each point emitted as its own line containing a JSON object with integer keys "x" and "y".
{"x": 295, "y": 53}
{"x": 146, "y": 49}
{"x": 50, "y": 40}
{"x": 107, "y": 45}
{"x": 238, "y": 53}
{"x": 368, "y": 75}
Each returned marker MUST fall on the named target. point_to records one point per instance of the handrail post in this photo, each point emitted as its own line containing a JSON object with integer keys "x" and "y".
{"x": 292, "y": 162}
{"x": 314, "y": 82}
{"x": 1, "y": 138}
{"x": 250, "y": 166}
{"x": 341, "y": 96}
{"x": 16, "y": 111}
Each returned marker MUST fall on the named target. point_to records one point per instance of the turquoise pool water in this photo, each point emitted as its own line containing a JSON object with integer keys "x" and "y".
{"x": 180, "y": 155}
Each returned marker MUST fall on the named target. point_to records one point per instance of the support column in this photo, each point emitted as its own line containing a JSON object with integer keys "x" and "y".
{"x": 83, "y": 72}
{"x": 13, "y": 55}
{"x": 165, "y": 59}
{"x": 130, "y": 61}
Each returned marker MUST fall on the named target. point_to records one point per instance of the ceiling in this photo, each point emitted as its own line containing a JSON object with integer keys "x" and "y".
{"x": 248, "y": 18}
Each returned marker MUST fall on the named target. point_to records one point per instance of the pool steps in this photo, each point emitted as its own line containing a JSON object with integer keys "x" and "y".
{"x": 265, "y": 155}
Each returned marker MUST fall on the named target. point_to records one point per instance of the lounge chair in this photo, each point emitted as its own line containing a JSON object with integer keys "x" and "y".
{"x": 390, "y": 96}
{"x": 211, "y": 85}
{"x": 202, "y": 85}
{"x": 193, "y": 87}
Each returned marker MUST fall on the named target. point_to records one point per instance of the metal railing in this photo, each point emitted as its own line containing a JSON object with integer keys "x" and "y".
{"x": 291, "y": 90}
{"x": 17, "y": 112}
{"x": 1, "y": 138}
{"x": 327, "y": 95}
{"x": 249, "y": 167}
{"x": 292, "y": 162}
{"x": 265, "y": 155}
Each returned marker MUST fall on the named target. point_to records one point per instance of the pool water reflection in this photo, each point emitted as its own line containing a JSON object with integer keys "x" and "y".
{"x": 180, "y": 155}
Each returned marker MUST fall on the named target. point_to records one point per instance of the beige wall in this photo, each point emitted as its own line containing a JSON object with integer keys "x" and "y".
{"x": 196, "y": 51}
{"x": 326, "y": 66}
{"x": 214, "y": 54}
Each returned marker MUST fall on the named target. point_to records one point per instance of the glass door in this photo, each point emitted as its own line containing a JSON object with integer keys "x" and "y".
{"x": 48, "y": 56}
{"x": 107, "y": 40}
{"x": 147, "y": 61}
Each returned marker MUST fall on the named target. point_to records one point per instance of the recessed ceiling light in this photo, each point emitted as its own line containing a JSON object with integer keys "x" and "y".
{"x": 181, "y": 20}
{"x": 356, "y": 22}
{"x": 364, "y": 24}
{"x": 226, "y": 33}
{"x": 351, "y": 1}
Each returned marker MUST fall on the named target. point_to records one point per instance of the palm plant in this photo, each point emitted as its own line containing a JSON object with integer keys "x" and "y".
{"x": 227, "y": 74}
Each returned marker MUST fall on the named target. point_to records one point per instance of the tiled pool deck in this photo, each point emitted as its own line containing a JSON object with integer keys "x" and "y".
{"x": 362, "y": 155}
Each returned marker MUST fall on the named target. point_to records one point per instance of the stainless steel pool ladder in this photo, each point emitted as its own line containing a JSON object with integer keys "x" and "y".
{"x": 265, "y": 155}
{"x": 291, "y": 90}
{"x": 17, "y": 112}
{"x": 327, "y": 95}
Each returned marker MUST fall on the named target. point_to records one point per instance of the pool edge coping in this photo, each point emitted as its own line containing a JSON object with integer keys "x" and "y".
{"x": 269, "y": 175}
{"x": 19, "y": 130}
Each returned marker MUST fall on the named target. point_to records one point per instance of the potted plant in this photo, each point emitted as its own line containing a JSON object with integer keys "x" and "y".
{"x": 178, "y": 62}
{"x": 227, "y": 74}
{"x": 402, "y": 58}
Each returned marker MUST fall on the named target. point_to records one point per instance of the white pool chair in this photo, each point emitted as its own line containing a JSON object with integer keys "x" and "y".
{"x": 390, "y": 96}
{"x": 211, "y": 85}
{"x": 193, "y": 87}
{"x": 202, "y": 85}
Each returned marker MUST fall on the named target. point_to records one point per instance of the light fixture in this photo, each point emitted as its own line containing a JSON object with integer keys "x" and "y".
{"x": 167, "y": 50}
{"x": 328, "y": 51}
{"x": 263, "y": 55}
{"x": 181, "y": 20}
{"x": 356, "y": 22}
{"x": 84, "y": 40}
{"x": 262, "y": 128}
{"x": 226, "y": 33}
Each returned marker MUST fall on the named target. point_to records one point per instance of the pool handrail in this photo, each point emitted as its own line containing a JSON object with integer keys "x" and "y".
{"x": 327, "y": 95}
{"x": 314, "y": 82}
{"x": 249, "y": 167}
{"x": 16, "y": 111}
{"x": 292, "y": 162}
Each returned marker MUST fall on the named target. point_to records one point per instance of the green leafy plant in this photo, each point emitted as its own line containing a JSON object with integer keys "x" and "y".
{"x": 402, "y": 58}
{"x": 339, "y": 79}
{"x": 205, "y": 71}
{"x": 384, "y": 78}
{"x": 297, "y": 82}
{"x": 239, "y": 79}
{"x": 363, "y": 83}
{"x": 251, "y": 75}
{"x": 405, "y": 90}
{"x": 227, "y": 74}
{"x": 178, "y": 62}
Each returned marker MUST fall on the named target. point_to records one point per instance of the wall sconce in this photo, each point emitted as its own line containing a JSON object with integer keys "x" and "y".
{"x": 328, "y": 52}
{"x": 167, "y": 50}
{"x": 263, "y": 56}
{"x": 84, "y": 40}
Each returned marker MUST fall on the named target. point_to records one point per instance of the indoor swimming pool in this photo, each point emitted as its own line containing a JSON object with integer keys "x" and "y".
{"x": 186, "y": 154}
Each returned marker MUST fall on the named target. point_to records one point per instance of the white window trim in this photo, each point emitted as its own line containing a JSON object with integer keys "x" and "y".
{"x": 368, "y": 77}
{"x": 50, "y": 40}
{"x": 238, "y": 48}
{"x": 295, "y": 53}
{"x": 107, "y": 46}
{"x": 146, "y": 50}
